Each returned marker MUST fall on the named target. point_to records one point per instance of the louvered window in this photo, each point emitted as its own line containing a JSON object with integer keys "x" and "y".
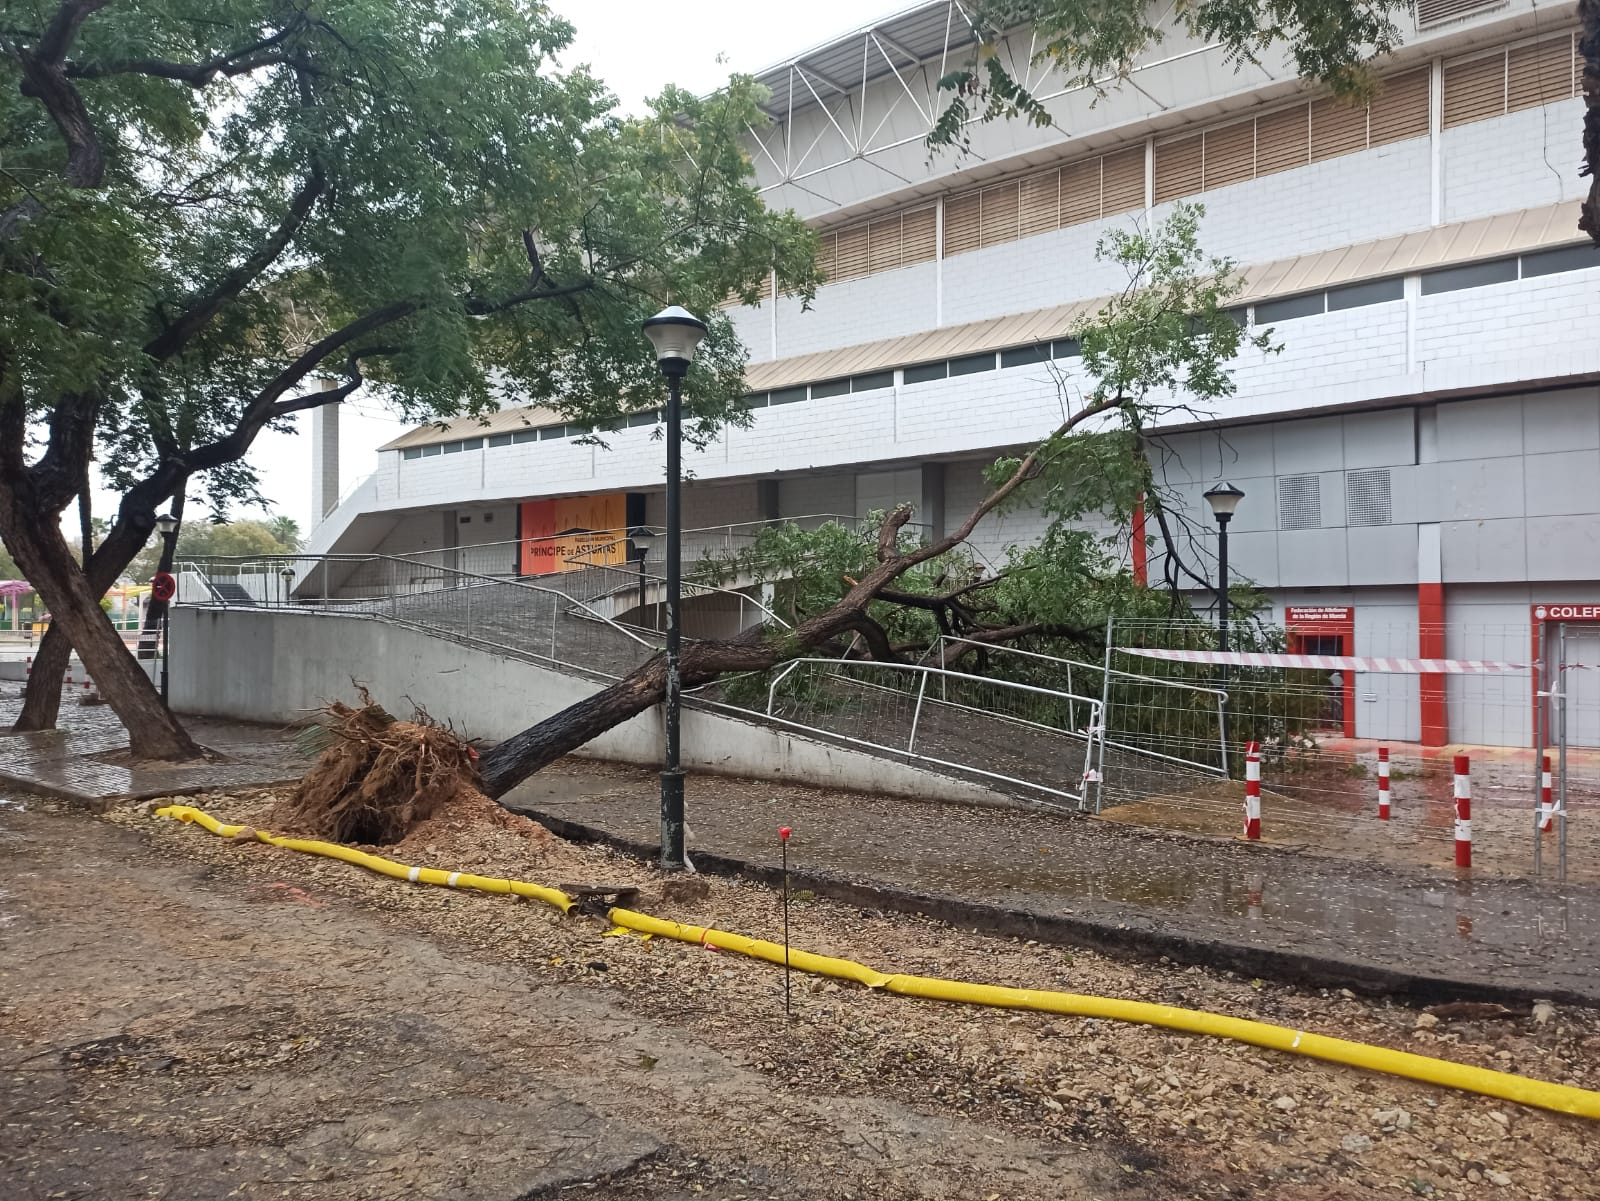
{"x": 1080, "y": 192}
{"x": 1122, "y": 181}
{"x": 1230, "y": 155}
{"x": 1433, "y": 13}
{"x": 1400, "y": 109}
{"x": 997, "y": 214}
{"x": 1299, "y": 502}
{"x": 883, "y": 244}
{"x": 1283, "y": 140}
{"x": 1509, "y": 80}
{"x": 1179, "y": 168}
{"x": 1337, "y": 127}
{"x": 961, "y": 224}
{"x": 919, "y": 233}
{"x": 1367, "y": 497}
{"x": 1040, "y": 204}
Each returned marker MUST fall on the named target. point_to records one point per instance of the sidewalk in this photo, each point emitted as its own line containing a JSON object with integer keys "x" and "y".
{"x": 1257, "y": 909}
{"x": 86, "y": 761}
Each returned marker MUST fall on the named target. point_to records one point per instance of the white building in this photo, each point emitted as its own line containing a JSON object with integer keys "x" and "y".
{"x": 1421, "y": 462}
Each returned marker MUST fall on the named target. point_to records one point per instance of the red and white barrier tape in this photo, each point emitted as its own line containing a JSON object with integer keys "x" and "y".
{"x": 1449, "y": 667}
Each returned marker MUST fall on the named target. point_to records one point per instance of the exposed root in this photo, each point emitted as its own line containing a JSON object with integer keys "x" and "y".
{"x": 376, "y": 777}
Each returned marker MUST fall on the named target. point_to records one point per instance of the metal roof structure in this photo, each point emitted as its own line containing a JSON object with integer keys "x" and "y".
{"x": 847, "y": 63}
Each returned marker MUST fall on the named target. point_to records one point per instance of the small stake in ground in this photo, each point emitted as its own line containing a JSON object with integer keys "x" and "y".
{"x": 783, "y": 839}
{"x": 1463, "y": 791}
{"x": 1547, "y": 806}
{"x": 1383, "y": 783}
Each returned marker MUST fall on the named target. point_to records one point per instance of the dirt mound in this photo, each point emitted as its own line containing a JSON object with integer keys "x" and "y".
{"x": 376, "y": 777}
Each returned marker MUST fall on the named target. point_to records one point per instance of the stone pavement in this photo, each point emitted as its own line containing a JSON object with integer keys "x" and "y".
{"x": 86, "y": 762}
{"x": 1269, "y": 911}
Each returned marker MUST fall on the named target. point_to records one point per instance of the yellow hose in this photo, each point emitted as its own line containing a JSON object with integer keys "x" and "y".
{"x": 1561, "y": 1098}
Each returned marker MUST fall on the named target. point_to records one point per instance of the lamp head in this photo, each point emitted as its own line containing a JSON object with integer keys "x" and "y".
{"x": 1224, "y": 501}
{"x": 675, "y": 333}
{"x": 166, "y": 523}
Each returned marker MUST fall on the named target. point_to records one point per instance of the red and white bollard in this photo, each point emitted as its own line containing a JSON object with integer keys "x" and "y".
{"x": 1252, "y": 791}
{"x": 1547, "y": 807}
{"x": 1463, "y": 811}
{"x": 1383, "y": 783}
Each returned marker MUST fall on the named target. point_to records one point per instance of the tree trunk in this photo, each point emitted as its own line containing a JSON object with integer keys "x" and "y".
{"x": 41, "y": 551}
{"x": 1589, "y": 46}
{"x": 41, "y": 702}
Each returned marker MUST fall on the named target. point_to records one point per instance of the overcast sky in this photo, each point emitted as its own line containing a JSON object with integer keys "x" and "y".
{"x": 636, "y": 47}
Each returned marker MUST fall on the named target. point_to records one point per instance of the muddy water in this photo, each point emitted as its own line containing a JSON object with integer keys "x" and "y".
{"x": 1415, "y": 918}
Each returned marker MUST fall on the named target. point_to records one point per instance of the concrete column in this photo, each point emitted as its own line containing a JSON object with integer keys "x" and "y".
{"x": 931, "y": 511}
{"x": 324, "y": 458}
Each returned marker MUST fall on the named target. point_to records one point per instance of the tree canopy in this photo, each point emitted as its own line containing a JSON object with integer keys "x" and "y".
{"x": 227, "y": 539}
{"x": 217, "y": 213}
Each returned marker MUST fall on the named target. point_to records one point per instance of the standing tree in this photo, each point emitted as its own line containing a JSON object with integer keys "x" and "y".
{"x": 215, "y": 214}
{"x": 1162, "y": 345}
{"x": 1092, "y": 46}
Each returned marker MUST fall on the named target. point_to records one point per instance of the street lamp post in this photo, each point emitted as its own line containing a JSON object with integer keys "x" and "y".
{"x": 286, "y": 574}
{"x": 675, "y": 333}
{"x": 167, "y": 524}
{"x": 1224, "y": 501}
{"x": 642, "y": 537}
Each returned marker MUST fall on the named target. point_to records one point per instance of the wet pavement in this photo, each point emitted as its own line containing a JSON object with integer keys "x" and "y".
{"x": 1421, "y": 921}
{"x": 86, "y": 759}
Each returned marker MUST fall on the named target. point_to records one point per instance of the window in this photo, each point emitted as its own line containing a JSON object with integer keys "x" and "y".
{"x": 830, "y": 387}
{"x": 923, "y": 372}
{"x": 522, "y": 436}
{"x": 429, "y": 451}
{"x": 411, "y": 452}
{"x": 650, "y": 417}
{"x": 1431, "y": 13}
{"x": 972, "y": 364}
{"x": 552, "y": 431}
{"x": 1563, "y": 258}
{"x": 452, "y": 448}
{"x": 872, "y": 381}
{"x": 756, "y": 400}
{"x": 1474, "y": 275}
{"x": 1291, "y": 308}
{"x": 472, "y": 444}
{"x": 1354, "y": 296}
{"x": 788, "y": 396}
{"x": 1021, "y": 356}
{"x": 1065, "y": 348}
{"x": 499, "y": 440}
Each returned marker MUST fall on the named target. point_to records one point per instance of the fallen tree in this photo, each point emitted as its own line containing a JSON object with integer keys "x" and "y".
{"x": 1160, "y": 346}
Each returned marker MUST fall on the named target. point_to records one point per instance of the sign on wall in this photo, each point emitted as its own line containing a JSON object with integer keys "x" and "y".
{"x": 1566, "y": 612}
{"x": 554, "y": 531}
{"x": 1303, "y": 614}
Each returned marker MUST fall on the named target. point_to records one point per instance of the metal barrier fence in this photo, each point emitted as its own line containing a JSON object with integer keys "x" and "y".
{"x": 1018, "y": 737}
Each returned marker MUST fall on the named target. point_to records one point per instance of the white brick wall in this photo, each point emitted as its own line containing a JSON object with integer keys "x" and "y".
{"x": 1034, "y": 273}
{"x": 1522, "y": 160}
{"x": 1338, "y": 202}
{"x": 885, "y": 305}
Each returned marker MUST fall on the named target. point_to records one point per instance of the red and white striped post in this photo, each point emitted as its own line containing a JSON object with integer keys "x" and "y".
{"x": 1383, "y": 783}
{"x": 1252, "y": 791}
{"x": 1463, "y": 811}
{"x": 1547, "y": 807}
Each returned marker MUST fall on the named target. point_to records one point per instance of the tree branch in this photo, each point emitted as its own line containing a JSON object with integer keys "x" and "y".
{"x": 198, "y": 75}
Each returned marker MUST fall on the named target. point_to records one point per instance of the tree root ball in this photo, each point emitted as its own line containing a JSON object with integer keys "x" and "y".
{"x": 376, "y": 777}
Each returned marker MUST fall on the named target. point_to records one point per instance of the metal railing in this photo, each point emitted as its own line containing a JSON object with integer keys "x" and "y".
{"x": 508, "y": 616}
{"x": 996, "y": 732}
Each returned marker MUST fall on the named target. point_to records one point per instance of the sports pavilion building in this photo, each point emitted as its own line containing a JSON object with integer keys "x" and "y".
{"x": 1421, "y": 462}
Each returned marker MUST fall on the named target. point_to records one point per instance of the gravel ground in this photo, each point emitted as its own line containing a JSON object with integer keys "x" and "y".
{"x": 296, "y": 1027}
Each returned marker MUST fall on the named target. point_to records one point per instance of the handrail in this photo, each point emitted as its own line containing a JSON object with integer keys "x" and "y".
{"x": 501, "y": 581}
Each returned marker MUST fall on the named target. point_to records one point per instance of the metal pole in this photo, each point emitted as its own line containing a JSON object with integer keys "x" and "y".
{"x": 1105, "y": 716}
{"x": 916, "y": 716}
{"x": 1541, "y": 698}
{"x": 672, "y": 848}
{"x": 1561, "y": 796}
{"x": 166, "y": 654}
{"x": 1222, "y": 631}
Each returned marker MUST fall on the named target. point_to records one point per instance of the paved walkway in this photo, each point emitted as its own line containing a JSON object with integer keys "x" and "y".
{"x": 86, "y": 760}
{"x": 1246, "y": 902}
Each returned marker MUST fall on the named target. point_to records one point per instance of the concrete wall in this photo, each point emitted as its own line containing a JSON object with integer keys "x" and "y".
{"x": 281, "y": 666}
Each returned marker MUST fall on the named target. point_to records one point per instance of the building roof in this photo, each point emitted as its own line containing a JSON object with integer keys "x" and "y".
{"x": 1446, "y": 246}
